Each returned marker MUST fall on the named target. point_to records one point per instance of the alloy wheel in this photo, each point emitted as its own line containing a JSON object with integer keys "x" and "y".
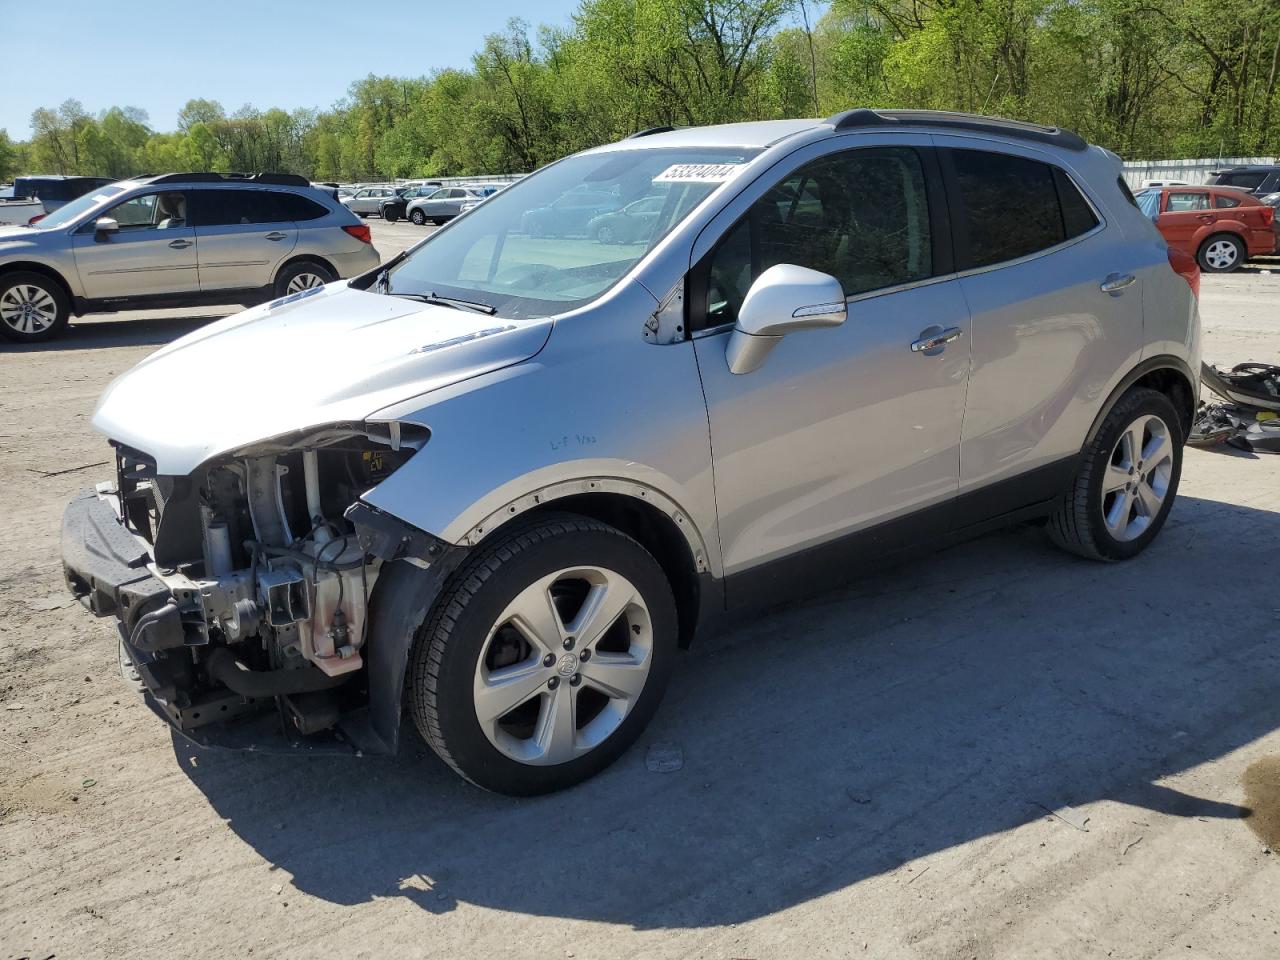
{"x": 1137, "y": 477}
{"x": 563, "y": 665}
{"x": 1221, "y": 254}
{"x": 304, "y": 281}
{"x": 28, "y": 308}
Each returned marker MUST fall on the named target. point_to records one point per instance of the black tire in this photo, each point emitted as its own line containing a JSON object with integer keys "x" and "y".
{"x": 40, "y": 290}
{"x": 1202, "y": 255}
{"x": 389, "y": 215}
{"x": 456, "y": 634}
{"x": 1078, "y": 523}
{"x": 418, "y": 217}
{"x": 299, "y": 269}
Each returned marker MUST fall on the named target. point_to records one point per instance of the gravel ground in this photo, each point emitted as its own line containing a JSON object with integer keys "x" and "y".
{"x": 999, "y": 751}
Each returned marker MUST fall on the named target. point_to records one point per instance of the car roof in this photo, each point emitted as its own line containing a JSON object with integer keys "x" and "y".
{"x": 755, "y": 135}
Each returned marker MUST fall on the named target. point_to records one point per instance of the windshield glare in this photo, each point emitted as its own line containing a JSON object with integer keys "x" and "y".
{"x": 69, "y": 213}
{"x": 560, "y": 238}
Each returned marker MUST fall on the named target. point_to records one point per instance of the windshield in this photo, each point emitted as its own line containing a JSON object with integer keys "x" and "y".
{"x": 72, "y": 211}
{"x": 1149, "y": 202}
{"x": 552, "y": 242}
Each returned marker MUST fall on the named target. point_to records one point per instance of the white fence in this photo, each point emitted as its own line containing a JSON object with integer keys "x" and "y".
{"x": 1188, "y": 171}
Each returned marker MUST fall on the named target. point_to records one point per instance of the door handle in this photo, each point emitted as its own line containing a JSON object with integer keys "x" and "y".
{"x": 1116, "y": 282}
{"x": 932, "y": 341}
{"x": 276, "y": 235}
{"x": 1206, "y": 218}
{"x": 180, "y": 244}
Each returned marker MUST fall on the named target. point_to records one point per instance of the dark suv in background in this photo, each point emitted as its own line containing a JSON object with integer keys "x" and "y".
{"x": 1257, "y": 178}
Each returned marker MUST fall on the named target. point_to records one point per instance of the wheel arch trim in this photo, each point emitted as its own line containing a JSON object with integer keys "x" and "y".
{"x": 36, "y": 266}
{"x": 295, "y": 259}
{"x": 1143, "y": 369}
{"x": 540, "y": 497}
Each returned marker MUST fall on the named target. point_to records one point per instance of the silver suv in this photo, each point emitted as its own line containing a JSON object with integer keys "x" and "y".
{"x": 509, "y": 476}
{"x": 173, "y": 241}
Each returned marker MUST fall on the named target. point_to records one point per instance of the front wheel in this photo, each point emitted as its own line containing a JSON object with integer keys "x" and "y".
{"x": 1126, "y": 482}
{"x": 418, "y": 217}
{"x": 545, "y": 656}
{"x": 1221, "y": 254}
{"x": 32, "y": 307}
{"x": 390, "y": 216}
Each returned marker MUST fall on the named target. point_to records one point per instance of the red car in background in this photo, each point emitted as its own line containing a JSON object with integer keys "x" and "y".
{"x": 1221, "y": 227}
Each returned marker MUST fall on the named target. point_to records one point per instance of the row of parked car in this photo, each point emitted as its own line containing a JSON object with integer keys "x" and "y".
{"x": 429, "y": 202}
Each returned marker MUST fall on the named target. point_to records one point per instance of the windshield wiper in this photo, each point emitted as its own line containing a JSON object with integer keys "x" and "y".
{"x": 487, "y": 309}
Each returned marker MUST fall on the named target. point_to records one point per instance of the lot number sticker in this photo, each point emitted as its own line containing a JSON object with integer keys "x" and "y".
{"x": 696, "y": 173}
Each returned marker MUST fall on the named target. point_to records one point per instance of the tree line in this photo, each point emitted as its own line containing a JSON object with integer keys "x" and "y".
{"x": 1146, "y": 78}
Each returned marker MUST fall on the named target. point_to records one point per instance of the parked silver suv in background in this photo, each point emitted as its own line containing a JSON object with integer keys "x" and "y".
{"x": 175, "y": 240}
{"x": 510, "y": 475}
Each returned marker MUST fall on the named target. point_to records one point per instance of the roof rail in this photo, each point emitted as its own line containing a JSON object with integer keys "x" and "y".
{"x": 863, "y": 117}
{"x": 279, "y": 179}
{"x": 650, "y": 132}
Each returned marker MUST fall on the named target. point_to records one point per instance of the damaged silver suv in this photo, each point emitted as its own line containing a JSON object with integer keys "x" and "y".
{"x": 502, "y": 479}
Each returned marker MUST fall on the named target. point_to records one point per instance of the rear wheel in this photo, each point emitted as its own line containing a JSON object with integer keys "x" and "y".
{"x": 418, "y": 217}
{"x": 302, "y": 276}
{"x": 545, "y": 657}
{"x": 1126, "y": 482}
{"x": 32, "y": 307}
{"x": 1221, "y": 253}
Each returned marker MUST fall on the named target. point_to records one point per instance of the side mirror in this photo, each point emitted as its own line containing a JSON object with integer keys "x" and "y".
{"x": 784, "y": 299}
{"x": 104, "y": 227}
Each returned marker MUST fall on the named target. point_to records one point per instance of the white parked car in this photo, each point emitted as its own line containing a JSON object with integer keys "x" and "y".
{"x": 366, "y": 202}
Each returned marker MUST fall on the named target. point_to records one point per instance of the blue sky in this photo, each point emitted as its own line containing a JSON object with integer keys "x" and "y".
{"x": 157, "y": 56}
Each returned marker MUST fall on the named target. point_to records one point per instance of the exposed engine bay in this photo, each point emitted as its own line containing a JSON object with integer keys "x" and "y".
{"x": 254, "y": 581}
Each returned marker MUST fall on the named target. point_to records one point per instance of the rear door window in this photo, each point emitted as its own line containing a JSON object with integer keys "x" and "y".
{"x": 1183, "y": 202}
{"x": 1012, "y": 207}
{"x": 219, "y": 208}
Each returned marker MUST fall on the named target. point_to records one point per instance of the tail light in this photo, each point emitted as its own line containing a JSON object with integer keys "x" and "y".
{"x": 360, "y": 231}
{"x": 40, "y": 216}
{"x": 1185, "y": 266}
{"x": 1268, "y": 215}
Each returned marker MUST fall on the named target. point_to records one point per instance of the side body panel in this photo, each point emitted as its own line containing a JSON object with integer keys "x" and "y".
{"x": 838, "y": 429}
{"x": 137, "y": 263}
{"x": 597, "y": 402}
{"x": 1048, "y": 343}
{"x": 233, "y": 256}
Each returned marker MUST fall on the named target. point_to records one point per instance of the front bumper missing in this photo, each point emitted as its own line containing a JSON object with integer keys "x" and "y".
{"x": 105, "y": 565}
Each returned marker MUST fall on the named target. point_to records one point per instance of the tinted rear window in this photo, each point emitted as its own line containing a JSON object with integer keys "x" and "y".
{"x": 1015, "y": 207}
{"x": 1249, "y": 179}
{"x": 298, "y": 209}
{"x": 56, "y": 190}
{"x": 214, "y": 208}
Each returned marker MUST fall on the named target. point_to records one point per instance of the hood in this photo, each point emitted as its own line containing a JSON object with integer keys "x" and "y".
{"x": 18, "y": 237}
{"x": 322, "y": 356}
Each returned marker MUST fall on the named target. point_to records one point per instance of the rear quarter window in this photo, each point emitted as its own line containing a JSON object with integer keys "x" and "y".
{"x": 1012, "y": 207}
{"x": 299, "y": 209}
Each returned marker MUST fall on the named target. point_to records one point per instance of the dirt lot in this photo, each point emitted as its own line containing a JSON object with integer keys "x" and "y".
{"x": 866, "y": 775}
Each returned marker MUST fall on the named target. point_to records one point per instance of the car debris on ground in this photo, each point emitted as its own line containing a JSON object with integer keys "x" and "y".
{"x": 1249, "y": 417}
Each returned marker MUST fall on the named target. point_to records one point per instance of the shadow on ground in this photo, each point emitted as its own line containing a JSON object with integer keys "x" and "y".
{"x": 97, "y": 334}
{"x": 940, "y": 702}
